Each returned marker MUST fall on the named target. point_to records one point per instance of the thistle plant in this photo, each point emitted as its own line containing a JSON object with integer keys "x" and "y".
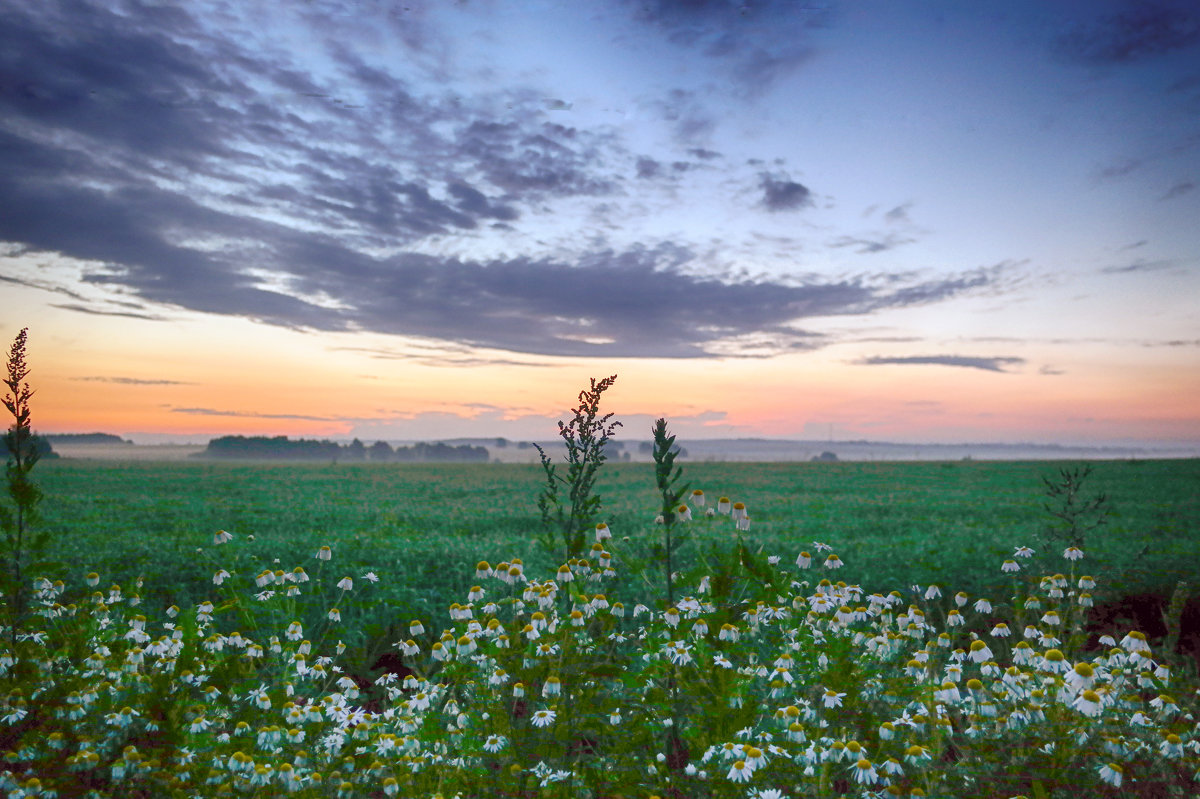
{"x": 568, "y": 504}
{"x": 23, "y": 455}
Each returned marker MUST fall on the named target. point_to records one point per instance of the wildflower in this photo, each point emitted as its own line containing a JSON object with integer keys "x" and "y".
{"x": 1080, "y": 677}
{"x": 335, "y": 614}
{"x": 614, "y": 718}
{"x": 345, "y": 584}
{"x": 983, "y": 606}
{"x": 683, "y": 513}
{"x": 1054, "y": 661}
{"x": 803, "y": 560}
{"x": 1172, "y": 746}
{"x": 865, "y": 773}
{"x": 1072, "y": 553}
{"x": 1088, "y": 703}
{"x": 222, "y": 537}
{"x": 728, "y": 633}
{"x": 324, "y": 553}
{"x": 979, "y": 652}
{"x": 1010, "y": 566}
{"x": 741, "y": 771}
{"x": 1112, "y": 774}
{"x": 833, "y": 562}
{"x": 415, "y": 628}
{"x": 698, "y": 498}
{"x": 294, "y": 631}
{"x": 1135, "y": 642}
{"x": 1001, "y": 630}
{"x": 544, "y": 718}
{"x": 671, "y": 617}
{"x": 552, "y": 687}
{"x": 495, "y": 743}
{"x": 1164, "y": 704}
{"x": 1087, "y": 581}
{"x": 723, "y": 505}
{"x": 602, "y": 532}
{"x": 832, "y": 698}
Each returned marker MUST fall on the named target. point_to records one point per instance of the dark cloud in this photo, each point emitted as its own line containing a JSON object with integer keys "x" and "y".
{"x": 132, "y": 381}
{"x": 1047, "y": 369}
{"x": 757, "y": 43}
{"x": 184, "y": 165}
{"x": 874, "y": 244}
{"x": 782, "y": 194}
{"x": 648, "y": 168}
{"x": 1179, "y": 189}
{"x": 899, "y": 214}
{"x": 1143, "y": 30}
{"x": 966, "y": 362}
{"x": 86, "y": 309}
{"x": 1140, "y": 265}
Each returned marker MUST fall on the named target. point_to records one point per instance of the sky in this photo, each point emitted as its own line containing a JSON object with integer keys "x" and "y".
{"x": 902, "y": 221}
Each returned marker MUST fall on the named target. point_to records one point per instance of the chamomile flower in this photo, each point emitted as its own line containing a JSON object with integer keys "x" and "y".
{"x": 832, "y": 699}
{"x": 324, "y": 553}
{"x": 864, "y": 772}
{"x": 543, "y": 718}
{"x": 1112, "y": 774}
{"x": 740, "y": 771}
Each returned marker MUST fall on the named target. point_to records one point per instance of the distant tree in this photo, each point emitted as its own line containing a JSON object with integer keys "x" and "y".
{"x": 501, "y": 443}
{"x": 825, "y": 457}
{"x": 355, "y": 451}
{"x": 381, "y": 451}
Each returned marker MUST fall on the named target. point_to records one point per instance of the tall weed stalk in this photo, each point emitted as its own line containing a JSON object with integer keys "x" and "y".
{"x": 567, "y": 503}
{"x": 23, "y": 455}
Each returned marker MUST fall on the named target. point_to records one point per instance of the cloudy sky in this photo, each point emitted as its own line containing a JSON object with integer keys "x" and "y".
{"x": 910, "y": 221}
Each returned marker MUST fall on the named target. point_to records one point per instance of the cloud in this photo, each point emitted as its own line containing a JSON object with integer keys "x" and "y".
{"x": 254, "y": 415}
{"x": 1140, "y": 265}
{"x": 1047, "y": 369}
{"x": 783, "y": 194}
{"x": 132, "y": 381}
{"x": 1141, "y": 31}
{"x": 879, "y": 243}
{"x": 964, "y": 361}
{"x": 1179, "y": 189}
{"x": 756, "y": 44}
{"x": 182, "y": 164}
{"x": 77, "y": 308}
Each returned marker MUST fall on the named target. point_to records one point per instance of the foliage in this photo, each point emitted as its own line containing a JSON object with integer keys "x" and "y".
{"x": 585, "y": 436}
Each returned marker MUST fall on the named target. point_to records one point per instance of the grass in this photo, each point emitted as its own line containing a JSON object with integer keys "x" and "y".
{"x": 897, "y": 523}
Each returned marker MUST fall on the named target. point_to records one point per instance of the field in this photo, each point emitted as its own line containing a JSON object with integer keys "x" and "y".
{"x": 423, "y": 527}
{"x": 263, "y": 630}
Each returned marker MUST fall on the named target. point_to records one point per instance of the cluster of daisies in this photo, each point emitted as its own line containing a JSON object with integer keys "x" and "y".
{"x": 586, "y": 684}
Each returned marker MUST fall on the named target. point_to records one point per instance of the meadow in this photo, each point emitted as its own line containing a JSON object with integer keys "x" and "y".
{"x": 787, "y": 630}
{"x": 427, "y": 524}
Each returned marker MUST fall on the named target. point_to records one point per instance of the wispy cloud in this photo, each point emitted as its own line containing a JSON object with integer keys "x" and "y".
{"x": 254, "y": 415}
{"x": 1142, "y": 30}
{"x": 963, "y": 361}
{"x": 1140, "y": 265}
{"x": 132, "y": 381}
{"x": 1179, "y": 189}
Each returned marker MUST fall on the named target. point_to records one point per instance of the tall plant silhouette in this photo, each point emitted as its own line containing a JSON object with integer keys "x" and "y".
{"x": 567, "y": 502}
{"x": 23, "y": 455}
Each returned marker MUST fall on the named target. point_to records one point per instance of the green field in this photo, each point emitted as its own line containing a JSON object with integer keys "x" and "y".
{"x": 423, "y": 527}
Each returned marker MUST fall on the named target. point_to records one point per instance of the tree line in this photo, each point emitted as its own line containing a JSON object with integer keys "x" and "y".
{"x": 284, "y": 448}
